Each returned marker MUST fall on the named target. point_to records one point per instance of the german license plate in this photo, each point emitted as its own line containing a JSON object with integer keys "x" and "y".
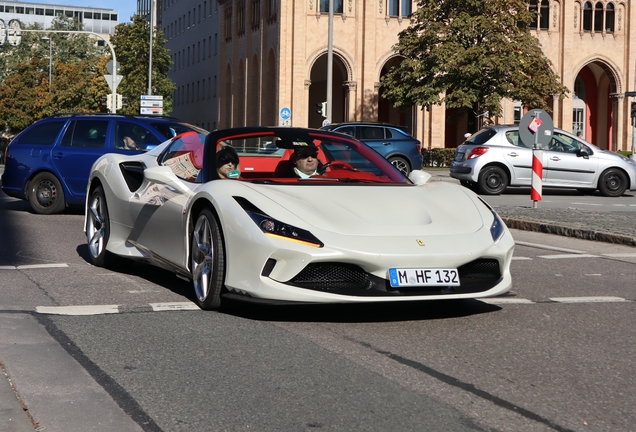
{"x": 423, "y": 277}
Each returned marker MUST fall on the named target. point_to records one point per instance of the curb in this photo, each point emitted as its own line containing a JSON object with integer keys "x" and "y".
{"x": 568, "y": 231}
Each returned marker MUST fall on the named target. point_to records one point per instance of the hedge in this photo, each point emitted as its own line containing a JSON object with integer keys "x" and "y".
{"x": 438, "y": 157}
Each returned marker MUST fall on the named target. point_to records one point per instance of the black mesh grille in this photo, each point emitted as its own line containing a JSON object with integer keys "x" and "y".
{"x": 332, "y": 277}
{"x": 338, "y": 278}
{"x": 479, "y": 275}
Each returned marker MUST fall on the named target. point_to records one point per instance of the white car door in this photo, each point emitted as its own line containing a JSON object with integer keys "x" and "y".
{"x": 519, "y": 157}
{"x": 158, "y": 209}
{"x": 566, "y": 166}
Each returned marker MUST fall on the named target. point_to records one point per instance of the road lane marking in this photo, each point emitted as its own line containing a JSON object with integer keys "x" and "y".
{"x": 514, "y": 258}
{"x": 561, "y": 256}
{"x": 553, "y": 248}
{"x": 587, "y": 299}
{"x": 78, "y": 310}
{"x": 158, "y": 307}
{"x": 505, "y": 300}
{"x": 38, "y": 266}
{"x": 620, "y": 255}
{"x": 33, "y": 266}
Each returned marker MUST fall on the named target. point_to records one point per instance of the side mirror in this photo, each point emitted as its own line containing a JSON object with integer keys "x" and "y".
{"x": 164, "y": 175}
{"x": 583, "y": 152}
{"x": 419, "y": 177}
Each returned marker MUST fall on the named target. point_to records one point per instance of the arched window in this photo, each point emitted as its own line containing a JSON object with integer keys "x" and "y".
{"x": 609, "y": 18}
{"x": 533, "y": 8}
{"x": 587, "y": 16}
{"x": 598, "y": 17}
{"x": 544, "y": 17}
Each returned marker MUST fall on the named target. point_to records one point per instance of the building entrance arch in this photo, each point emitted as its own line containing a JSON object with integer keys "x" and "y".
{"x": 318, "y": 91}
{"x": 593, "y": 107}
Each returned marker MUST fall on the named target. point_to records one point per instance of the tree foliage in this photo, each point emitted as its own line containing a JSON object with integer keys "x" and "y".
{"x": 75, "y": 61}
{"x": 78, "y": 66}
{"x": 470, "y": 54}
{"x": 131, "y": 42}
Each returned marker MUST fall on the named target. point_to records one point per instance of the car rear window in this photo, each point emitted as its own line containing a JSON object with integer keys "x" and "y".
{"x": 371, "y": 132}
{"x": 482, "y": 136}
{"x": 42, "y": 134}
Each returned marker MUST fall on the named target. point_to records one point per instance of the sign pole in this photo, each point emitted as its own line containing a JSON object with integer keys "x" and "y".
{"x": 537, "y": 169}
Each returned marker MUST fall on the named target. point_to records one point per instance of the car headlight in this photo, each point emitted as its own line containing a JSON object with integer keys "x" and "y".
{"x": 498, "y": 227}
{"x": 275, "y": 228}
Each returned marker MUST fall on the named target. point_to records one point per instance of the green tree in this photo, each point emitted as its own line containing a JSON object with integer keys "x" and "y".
{"x": 77, "y": 83}
{"x": 470, "y": 54}
{"x": 131, "y": 42}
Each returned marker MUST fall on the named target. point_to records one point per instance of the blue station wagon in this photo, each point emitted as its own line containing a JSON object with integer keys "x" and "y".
{"x": 48, "y": 163}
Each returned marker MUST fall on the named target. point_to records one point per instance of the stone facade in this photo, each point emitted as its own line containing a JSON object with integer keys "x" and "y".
{"x": 273, "y": 54}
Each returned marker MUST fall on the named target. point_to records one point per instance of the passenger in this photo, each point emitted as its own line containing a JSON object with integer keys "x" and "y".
{"x": 129, "y": 143}
{"x": 305, "y": 159}
{"x": 227, "y": 162}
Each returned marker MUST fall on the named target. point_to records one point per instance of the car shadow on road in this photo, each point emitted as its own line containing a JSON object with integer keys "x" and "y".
{"x": 156, "y": 275}
{"x": 359, "y": 313}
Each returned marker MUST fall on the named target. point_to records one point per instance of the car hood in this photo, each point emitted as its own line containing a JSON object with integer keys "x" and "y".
{"x": 432, "y": 209}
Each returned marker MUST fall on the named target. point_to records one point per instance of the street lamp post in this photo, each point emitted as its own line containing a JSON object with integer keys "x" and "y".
{"x": 50, "y": 58}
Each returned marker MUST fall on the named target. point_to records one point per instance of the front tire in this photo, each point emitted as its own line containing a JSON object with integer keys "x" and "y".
{"x": 207, "y": 261}
{"x": 612, "y": 183}
{"x": 46, "y": 195}
{"x": 98, "y": 229}
{"x": 493, "y": 180}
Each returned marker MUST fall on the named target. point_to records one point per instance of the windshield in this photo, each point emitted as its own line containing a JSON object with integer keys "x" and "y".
{"x": 172, "y": 129}
{"x": 294, "y": 156}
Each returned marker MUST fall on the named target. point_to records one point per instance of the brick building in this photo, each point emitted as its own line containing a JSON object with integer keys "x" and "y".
{"x": 273, "y": 54}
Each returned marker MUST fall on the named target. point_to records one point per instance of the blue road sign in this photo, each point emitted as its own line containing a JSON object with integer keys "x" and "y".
{"x": 285, "y": 113}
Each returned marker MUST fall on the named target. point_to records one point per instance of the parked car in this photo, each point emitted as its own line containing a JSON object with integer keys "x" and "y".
{"x": 391, "y": 141}
{"x": 48, "y": 163}
{"x": 356, "y": 231}
{"x": 494, "y": 158}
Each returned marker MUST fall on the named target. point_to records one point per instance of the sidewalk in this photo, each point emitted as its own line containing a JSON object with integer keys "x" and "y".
{"x": 606, "y": 226}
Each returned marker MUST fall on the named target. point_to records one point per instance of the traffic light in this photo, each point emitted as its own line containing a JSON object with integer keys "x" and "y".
{"x": 633, "y": 109}
{"x": 322, "y": 109}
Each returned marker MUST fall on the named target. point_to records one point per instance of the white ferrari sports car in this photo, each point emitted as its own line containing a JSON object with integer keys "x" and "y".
{"x": 294, "y": 215}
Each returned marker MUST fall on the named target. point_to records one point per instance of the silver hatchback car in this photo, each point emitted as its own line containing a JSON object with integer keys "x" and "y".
{"x": 495, "y": 158}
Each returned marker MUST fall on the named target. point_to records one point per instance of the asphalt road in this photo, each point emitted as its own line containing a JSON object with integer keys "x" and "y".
{"x": 556, "y": 354}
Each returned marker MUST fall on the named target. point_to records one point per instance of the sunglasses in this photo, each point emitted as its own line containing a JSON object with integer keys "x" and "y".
{"x": 307, "y": 153}
{"x": 227, "y": 159}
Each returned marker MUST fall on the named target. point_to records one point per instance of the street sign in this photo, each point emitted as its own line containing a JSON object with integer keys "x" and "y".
{"x": 113, "y": 83}
{"x": 151, "y": 103}
{"x": 630, "y": 94}
{"x": 151, "y": 111}
{"x": 285, "y": 113}
{"x": 109, "y": 67}
{"x": 151, "y": 97}
{"x": 536, "y": 127}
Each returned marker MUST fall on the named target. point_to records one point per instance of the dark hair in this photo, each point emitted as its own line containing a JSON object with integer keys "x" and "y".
{"x": 225, "y": 155}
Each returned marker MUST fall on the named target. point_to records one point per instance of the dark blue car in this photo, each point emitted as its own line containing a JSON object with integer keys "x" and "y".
{"x": 391, "y": 141}
{"x": 48, "y": 163}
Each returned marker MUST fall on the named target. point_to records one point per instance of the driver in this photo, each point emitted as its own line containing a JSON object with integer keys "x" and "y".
{"x": 305, "y": 160}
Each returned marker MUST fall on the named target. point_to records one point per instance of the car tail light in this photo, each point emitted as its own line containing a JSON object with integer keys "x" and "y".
{"x": 418, "y": 146}
{"x": 476, "y": 152}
